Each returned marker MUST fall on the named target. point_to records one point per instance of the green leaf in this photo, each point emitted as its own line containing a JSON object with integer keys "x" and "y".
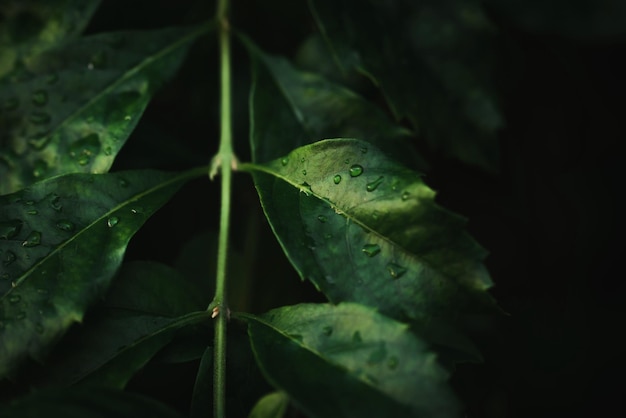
{"x": 201, "y": 404}
{"x": 147, "y": 303}
{"x": 364, "y": 228}
{"x": 86, "y": 402}
{"x": 349, "y": 361}
{"x": 433, "y": 61}
{"x": 291, "y": 108}
{"x": 81, "y": 101}
{"x": 61, "y": 242}
{"x": 30, "y": 27}
{"x": 272, "y": 405}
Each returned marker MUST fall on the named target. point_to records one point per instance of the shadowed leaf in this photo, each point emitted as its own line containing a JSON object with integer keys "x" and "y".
{"x": 61, "y": 242}
{"x": 272, "y": 405}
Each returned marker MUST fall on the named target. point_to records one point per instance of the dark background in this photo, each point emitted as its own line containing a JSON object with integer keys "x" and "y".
{"x": 551, "y": 219}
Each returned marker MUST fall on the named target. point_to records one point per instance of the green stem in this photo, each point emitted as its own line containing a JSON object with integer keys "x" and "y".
{"x": 225, "y": 160}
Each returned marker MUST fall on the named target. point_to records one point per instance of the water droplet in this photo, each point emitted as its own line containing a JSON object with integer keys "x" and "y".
{"x": 40, "y": 97}
{"x": 375, "y": 215}
{"x": 85, "y": 148}
{"x": 9, "y": 229}
{"x": 371, "y": 250}
{"x": 306, "y": 189}
{"x": 8, "y": 258}
{"x": 13, "y": 285}
{"x": 52, "y": 78}
{"x": 39, "y": 118}
{"x": 55, "y": 202}
{"x": 304, "y": 172}
{"x": 65, "y": 225}
{"x": 112, "y": 221}
{"x": 322, "y": 218}
{"x": 302, "y": 159}
{"x": 21, "y": 315}
{"x": 40, "y": 167}
{"x": 123, "y": 182}
{"x": 405, "y": 195}
{"x": 14, "y": 298}
{"x": 356, "y": 337}
{"x": 137, "y": 210}
{"x": 327, "y": 331}
{"x": 284, "y": 161}
{"x": 108, "y": 151}
{"x": 392, "y": 363}
{"x": 346, "y": 161}
{"x": 11, "y": 103}
{"x": 363, "y": 150}
{"x": 128, "y": 118}
{"x": 337, "y": 179}
{"x": 32, "y": 240}
{"x": 374, "y": 185}
{"x": 356, "y": 170}
{"x": 32, "y": 212}
{"x": 395, "y": 271}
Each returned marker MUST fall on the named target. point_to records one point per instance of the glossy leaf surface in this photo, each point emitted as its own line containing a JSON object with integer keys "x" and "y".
{"x": 272, "y": 405}
{"x": 76, "y": 105}
{"x": 61, "y": 242}
{"x": 86, "y": 402}
{"x": 349, "y": 361}
{"x": 433, "y": 61}
{"x": 364, "y": 228}
{"x": 146, "y": 304}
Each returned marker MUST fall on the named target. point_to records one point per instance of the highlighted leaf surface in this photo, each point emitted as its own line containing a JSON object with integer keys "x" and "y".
{"x": 349, "y": 361}
{"x": 61, "y": 242}
{"x": 363, "y": 228}
{"x": 76, "y": 105}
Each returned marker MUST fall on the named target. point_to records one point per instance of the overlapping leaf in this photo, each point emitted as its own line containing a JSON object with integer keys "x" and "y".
{"x": 146, "y": 304}
{"x": 433, "y": 60}
{"x": 272, "y": 405}
{"x": 30, "y": 27}
{"x": 76, "y": 104}
{"x": 291, "y": 108}
{"x": 61, "y": 242}
{"x": 364, "y": 228}
{"x": 86, "y": 402}
{"x": 349, "y": 361}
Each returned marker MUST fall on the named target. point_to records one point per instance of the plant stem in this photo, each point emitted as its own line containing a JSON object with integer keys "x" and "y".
{"x": 224, "y": 159}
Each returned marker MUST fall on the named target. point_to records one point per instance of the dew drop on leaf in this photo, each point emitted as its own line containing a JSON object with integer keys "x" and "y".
{"x": 32, "y": 240}
{"x": 395, "y": 271}
{"x": 9, "y": 229}
{"x": 123, "y": 182}
{"x": 337, "y": 179}
{"x": 8, "y": 258}
{"x": 356, "y": 170}
{"x": 304, "y": 172}
{"x": 55, "y": 202}
{"x": 364, "y": 150}
{"x": 40, "y": 97}
{"x": 40, "y": 167}
{"x": 11, "y": 104}
{"x": 322, "y": 218}
{"x": 112, "y": 221}
{"x": 405, "y": 195}
{"x": 327, "y": 330}
{"x": 85, "y": 148}
{"x": 65, "y": 225}
{"x": 284, "y": 161}
{"x": 371, "y": 250}
{"x": 302, "y": 159}
{"x": 39, "y": 118}
{"x": 374, "y": 185}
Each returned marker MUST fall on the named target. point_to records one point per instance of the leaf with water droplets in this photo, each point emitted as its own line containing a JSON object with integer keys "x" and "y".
{"x": 384, "y": 371}
{"x": 391, "y": 247}
{"x": 79, "y": 123}
{"x": 61, "y": 261}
